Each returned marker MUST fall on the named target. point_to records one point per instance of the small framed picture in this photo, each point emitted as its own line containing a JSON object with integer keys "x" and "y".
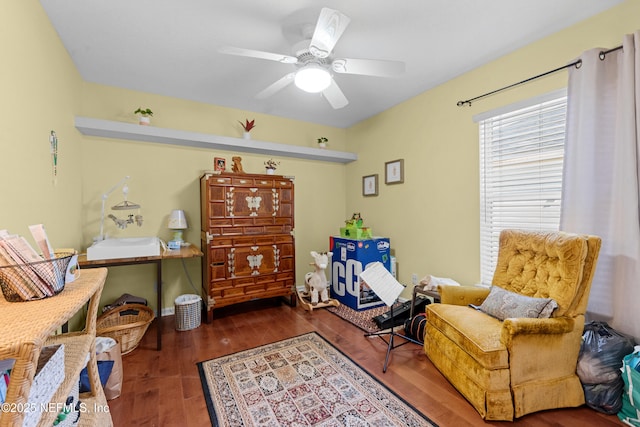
{"x": 219, "y": 164}
{"x": 370, "y": 185}
{"x": 394, "y": 172}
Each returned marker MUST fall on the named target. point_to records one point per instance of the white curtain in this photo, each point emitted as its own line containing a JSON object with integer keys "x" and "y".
{"x": 601, "y": 177}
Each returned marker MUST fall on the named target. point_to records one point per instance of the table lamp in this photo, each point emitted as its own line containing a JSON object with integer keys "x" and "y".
{"x": 177, "y": 223}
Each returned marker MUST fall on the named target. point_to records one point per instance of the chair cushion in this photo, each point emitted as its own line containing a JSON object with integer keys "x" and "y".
{"x": 475, "y": 332}
{"x": 503, "y": 304}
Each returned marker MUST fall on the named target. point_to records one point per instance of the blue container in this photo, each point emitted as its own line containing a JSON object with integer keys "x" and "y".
{"x": 350, "y": 258}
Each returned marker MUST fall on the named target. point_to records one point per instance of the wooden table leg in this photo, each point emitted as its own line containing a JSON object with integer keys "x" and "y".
{"x": 159, "y": 302}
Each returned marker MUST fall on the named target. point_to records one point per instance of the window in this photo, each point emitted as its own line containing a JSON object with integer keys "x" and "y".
{"x": 521, "y": 156}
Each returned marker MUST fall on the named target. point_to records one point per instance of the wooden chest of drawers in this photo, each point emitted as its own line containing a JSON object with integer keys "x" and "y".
{"x": 247, "y": 237}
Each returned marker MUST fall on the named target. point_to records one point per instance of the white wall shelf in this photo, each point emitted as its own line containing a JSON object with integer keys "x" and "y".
{"x": 130, "y": 131}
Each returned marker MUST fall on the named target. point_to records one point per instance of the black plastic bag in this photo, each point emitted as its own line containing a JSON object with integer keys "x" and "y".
{"x": 599, "y": 363}
{"x": 605, "y": 397}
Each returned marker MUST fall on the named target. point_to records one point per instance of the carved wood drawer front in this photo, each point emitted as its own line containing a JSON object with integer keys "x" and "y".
{"x": 242, "y": 181}
{"x": 221, "y": 180}
{"x": 228, "y": 262}
{"x": 222, "y": 241}
{"x": 264, "y": 183}
{"x": 238, "y": 290}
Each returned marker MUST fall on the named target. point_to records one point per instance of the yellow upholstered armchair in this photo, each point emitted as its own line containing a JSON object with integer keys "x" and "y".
{"x": 517, "y": 360}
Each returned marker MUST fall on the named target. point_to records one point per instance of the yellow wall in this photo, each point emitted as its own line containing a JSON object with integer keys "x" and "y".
{"x": 433, "y": 218}
{"x": 39, "y": 92}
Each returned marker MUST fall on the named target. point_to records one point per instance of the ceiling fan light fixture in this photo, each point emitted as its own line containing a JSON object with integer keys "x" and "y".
{"x": 312, "y": 78}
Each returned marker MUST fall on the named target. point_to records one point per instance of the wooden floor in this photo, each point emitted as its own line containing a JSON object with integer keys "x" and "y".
{"x": 163, "y": 388}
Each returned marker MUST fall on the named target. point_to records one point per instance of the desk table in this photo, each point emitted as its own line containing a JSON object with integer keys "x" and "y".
{"x": 189, "y": 251}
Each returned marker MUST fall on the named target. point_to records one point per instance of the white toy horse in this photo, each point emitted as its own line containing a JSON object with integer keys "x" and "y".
{"x": 316, "y": 282}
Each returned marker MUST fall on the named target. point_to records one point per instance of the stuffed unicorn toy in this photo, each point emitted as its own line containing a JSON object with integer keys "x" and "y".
{"x": 316, "y": 281}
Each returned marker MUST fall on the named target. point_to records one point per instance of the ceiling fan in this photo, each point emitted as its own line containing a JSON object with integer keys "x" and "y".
{"x": 315, "y": 63}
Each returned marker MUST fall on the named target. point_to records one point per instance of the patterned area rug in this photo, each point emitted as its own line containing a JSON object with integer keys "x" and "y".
{"x": 362, "y": 319}
{"x": 300, "y": 381}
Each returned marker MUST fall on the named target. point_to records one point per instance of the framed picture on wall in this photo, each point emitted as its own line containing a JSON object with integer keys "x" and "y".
{"x": 394, "y": 172}
{"x": 219, "y": 164}
{"x": 370, "y": 185}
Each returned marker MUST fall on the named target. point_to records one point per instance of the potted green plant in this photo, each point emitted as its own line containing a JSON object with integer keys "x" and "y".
{"x": 270, "y": 166}
{"x": 145, "y": 115}
{"x": 322, "y": 142}
{"x": 247, "y": 126}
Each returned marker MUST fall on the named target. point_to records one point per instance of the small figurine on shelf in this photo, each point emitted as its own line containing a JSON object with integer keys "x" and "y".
{"x": 247, "y": 126}
{"x": 270, "y": 166}
{"x": 236, "y": 164}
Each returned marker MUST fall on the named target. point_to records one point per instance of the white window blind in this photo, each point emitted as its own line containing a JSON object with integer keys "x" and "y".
{"x": 521, "y": 156}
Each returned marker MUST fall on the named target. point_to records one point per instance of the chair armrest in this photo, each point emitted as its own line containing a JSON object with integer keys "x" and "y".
{"x": 462, "y": 295}
{"x": 541, "y": 348}
{"x": 525, "y": 326}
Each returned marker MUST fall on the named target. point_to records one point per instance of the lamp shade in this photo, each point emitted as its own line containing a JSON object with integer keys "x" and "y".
{"x": 177, "y": 220}
{"x": 312, "y": 78}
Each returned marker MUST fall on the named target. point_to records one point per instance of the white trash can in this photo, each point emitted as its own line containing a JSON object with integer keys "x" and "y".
{"x": 188, "y": 312}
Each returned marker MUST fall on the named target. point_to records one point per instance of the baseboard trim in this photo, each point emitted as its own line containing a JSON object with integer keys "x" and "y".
{"x": 168, "y": 311}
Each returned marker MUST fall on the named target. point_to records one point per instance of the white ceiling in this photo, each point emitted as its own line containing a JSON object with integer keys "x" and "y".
{"x": 170, "y": 47}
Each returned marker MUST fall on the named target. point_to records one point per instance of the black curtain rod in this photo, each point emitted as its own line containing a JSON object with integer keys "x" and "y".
{"x": 577, "y": 64}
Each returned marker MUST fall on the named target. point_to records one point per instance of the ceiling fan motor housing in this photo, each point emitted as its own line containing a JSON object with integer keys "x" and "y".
{"x": 305, "y": 57}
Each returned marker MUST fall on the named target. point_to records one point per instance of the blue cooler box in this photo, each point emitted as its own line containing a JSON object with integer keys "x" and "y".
{"x": 350, "y": 258}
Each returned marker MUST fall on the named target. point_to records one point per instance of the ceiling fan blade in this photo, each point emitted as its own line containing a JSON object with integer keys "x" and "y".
{"x": 334, "y": 95}
{"x": 278, "y": 57}
{"x": 331, "y": 24}
{"x": 368, "y": 67}
{"x": 276, "y": 87}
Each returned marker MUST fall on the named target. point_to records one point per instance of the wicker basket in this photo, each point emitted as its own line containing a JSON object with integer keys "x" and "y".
{"x": 188, "y": 312}
{"x": 126, "y": 324}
